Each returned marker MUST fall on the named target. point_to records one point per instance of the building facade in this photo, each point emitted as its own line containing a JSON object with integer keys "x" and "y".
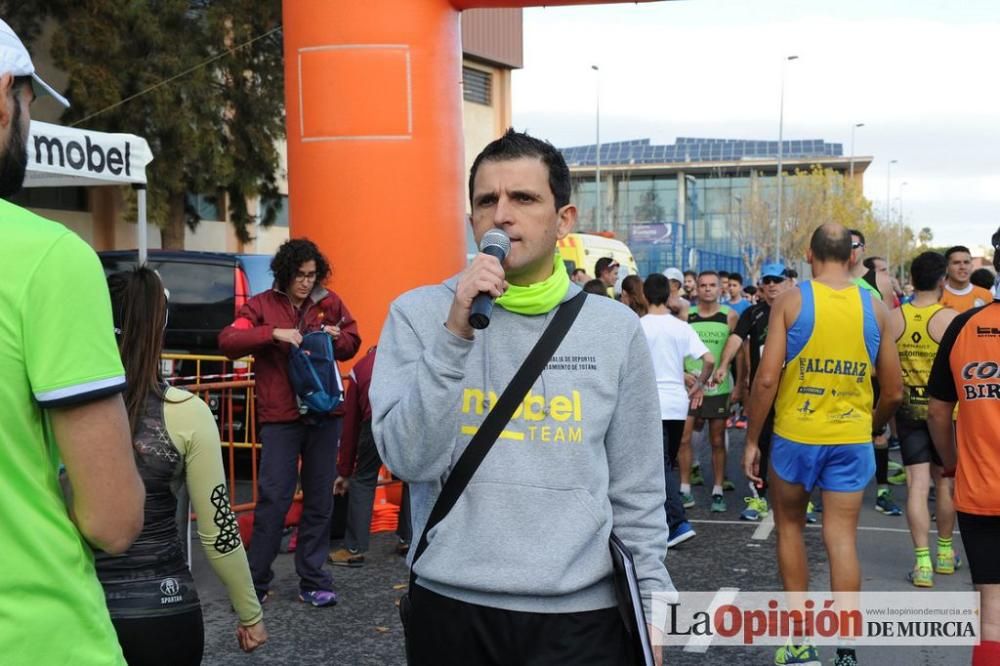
{"x": 682, "y": 204}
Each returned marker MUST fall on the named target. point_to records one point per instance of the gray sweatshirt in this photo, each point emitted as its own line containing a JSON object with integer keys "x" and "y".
{"x": 583, "y": 453}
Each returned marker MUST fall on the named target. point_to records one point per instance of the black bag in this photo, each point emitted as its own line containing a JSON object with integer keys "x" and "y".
{"x": 630, "y": 603}
{"x": 488, "y": 432}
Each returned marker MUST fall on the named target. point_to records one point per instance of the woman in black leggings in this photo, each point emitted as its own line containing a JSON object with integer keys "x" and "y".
{"x": 149, "y": 589}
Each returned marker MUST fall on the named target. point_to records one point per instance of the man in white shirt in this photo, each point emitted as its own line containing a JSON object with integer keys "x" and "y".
{"x": 670, "y": 342}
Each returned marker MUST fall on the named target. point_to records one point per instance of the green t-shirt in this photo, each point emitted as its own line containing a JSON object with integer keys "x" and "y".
{"x": 865, "y": 284}
{"x": 57, "y": 348}
{"x": 714, "y": 332}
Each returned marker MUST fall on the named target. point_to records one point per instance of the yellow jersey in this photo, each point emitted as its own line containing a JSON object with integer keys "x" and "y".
{"x": 916, "y": 356}
{"x": 825, "y": 395}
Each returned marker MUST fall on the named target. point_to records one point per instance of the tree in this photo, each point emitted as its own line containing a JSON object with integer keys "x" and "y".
{"x": 925, "y": 236}
{"x": 200, "y": 80}
{"x": 754, "y": 230}
{"x": 819, "y": 196}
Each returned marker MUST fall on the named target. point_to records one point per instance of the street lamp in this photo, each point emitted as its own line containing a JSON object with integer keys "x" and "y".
{"x": 853, "y": 127}
{"x": 888, "y": 201}
{"x": 741, "y": 236}
{"x": 689, "y": 185}
{"x": 781, "y": 134}
{"x": 597, "y": 170}
{"x": 902, "y": 234}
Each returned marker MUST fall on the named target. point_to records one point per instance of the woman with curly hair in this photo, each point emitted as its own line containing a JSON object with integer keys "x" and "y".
{"x": 268, "y": 326}
{"x": 149, "y": 589}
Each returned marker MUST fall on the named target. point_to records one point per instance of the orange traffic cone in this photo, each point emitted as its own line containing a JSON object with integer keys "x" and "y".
{"x": 385, "y": 515}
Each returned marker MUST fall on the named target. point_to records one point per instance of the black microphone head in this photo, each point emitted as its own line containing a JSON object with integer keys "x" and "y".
{"x": 495, "y": 238}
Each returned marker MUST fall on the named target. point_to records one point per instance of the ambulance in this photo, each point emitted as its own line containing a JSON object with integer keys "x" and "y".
{"x": 583, "y": 251}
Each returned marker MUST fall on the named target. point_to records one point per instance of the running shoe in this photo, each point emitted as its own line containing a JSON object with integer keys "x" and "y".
{"x": 946, "y": 564}
{"x": 728, "y": 485}
{"x": 318, "y": 598}
{"x": 742, "y": 422}
{"x": 756, "y": 509}
{"x": 894, "y": 443}
{"x": 262, "y": 596}
{"x": 731, "y": 422}
{"x": 680, "y": 534}
{"x": 818, "y": 503}
{"x": 801, "y": 655}
{"x": 885, "y": 504}
{"x": 718, "y": 504}
{"x": 687, "y": 500}
{"x": 845, "y": 658}
{"x": 898, "y": 477}
{"x": 811, "y": 516}
{"x": 344, "y": 557}
{"x": 696, "y": 478}
{"x": 921, "y": 577}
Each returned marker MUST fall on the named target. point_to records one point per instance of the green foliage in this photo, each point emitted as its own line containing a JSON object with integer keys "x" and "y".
{"x": 211, "y": 130}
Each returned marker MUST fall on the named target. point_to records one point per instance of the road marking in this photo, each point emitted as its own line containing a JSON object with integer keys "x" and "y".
{"x": 764, "y": 529}
{"x": 725, "y": 595}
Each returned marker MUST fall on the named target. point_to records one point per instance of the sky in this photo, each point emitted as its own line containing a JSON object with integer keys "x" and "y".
{"x": 920, "y": 75}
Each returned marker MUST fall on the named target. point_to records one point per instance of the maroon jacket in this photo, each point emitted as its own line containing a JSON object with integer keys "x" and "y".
{"x": 251, "y": 333}
{"x": 357, "y": 410}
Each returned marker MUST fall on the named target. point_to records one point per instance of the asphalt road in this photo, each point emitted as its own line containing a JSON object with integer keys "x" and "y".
{"x": 364, "y": 628}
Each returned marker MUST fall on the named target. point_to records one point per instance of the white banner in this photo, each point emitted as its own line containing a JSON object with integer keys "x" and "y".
{"x": 61, "y": 156}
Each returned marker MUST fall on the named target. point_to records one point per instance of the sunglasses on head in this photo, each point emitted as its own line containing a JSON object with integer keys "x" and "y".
{"x": 771, "y": 279}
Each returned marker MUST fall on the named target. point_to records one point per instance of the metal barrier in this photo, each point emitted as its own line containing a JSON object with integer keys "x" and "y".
{"x": 227, "y": 387}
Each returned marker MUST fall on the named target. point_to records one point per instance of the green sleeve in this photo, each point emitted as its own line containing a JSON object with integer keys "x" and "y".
{"x": 69, "y": 342}
{"x": 193, "y": 430}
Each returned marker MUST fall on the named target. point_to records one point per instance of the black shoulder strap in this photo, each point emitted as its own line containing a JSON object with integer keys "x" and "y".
{"x": 498, "y": 417}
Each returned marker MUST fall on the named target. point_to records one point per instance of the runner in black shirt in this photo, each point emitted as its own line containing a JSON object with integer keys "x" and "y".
{"x": 752, "y": 328}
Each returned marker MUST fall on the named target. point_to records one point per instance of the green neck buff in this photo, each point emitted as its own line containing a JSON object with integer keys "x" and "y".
{"x": 538, "y": 298}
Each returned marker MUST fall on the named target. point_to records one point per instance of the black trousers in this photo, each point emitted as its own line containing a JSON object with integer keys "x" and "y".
{"x": 168, "y": 640}
{"x": 362, "y": 495}
{"x": 672, "y": 431}
{"x": 447, "y": 632}
{"x": 281, "y": 446}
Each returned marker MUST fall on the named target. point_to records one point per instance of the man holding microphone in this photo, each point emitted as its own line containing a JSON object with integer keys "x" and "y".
{"x": 519, "y": 570}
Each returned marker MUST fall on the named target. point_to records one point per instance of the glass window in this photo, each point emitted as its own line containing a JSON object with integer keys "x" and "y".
{"x": 279, "y": 205}
{"x": 585, "y": 197}
{"x": 665, "y": 188}
{"x": 202, "y": 299}
{"x": 640, "y": 203}
{"x": 718, "y": 195}
{"x": 205, "y": 206}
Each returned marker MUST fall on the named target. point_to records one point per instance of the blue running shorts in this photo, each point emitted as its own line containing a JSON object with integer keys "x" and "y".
{"x": 844, "y": 468}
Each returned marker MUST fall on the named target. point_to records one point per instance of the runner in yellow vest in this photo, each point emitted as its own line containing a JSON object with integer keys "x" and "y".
{"x": 824, "y": 339}
{"x": 917, "y": 327}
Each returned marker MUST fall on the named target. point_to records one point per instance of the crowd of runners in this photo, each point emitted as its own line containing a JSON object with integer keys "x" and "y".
{"x": 527, "y": 432}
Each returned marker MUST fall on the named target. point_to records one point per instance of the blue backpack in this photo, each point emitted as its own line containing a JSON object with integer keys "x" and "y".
{"x": 314, "y": 374}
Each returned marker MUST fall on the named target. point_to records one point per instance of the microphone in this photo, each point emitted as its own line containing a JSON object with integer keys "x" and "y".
{"x": 496, "y": 244}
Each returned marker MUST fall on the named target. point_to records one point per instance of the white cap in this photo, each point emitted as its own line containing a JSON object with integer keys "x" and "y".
{"x": 14, "y": 58}
{"x": 674, "y": 274}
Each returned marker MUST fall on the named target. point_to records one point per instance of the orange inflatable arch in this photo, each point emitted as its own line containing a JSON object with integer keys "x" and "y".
{"x": 375, "y": 155}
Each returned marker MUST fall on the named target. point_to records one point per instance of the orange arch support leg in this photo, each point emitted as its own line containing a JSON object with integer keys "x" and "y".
{"x": 375, "y": 158}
